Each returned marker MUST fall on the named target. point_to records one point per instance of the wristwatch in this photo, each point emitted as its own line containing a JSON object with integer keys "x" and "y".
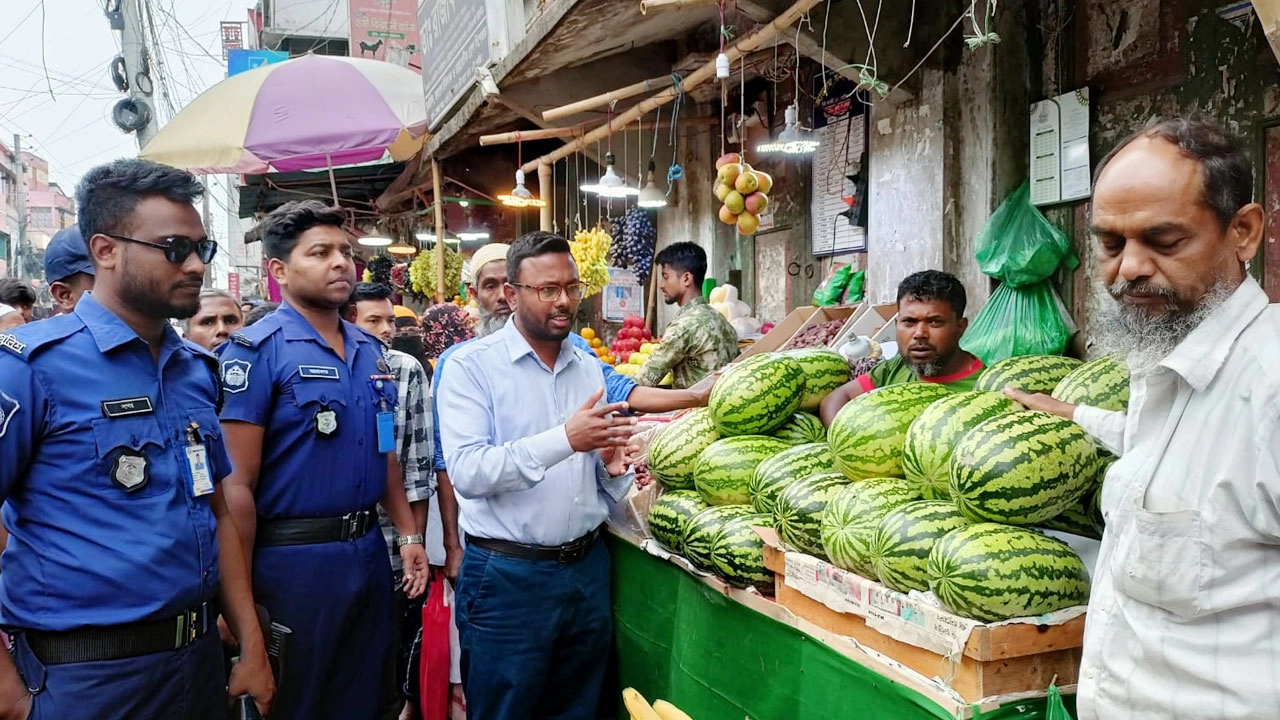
{"x": 408, "y": 540}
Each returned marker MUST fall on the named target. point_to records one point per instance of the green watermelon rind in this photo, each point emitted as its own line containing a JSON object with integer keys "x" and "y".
{"x": 824, "y": 371}
{"x": 779, "y": 471}
{"x": 1022, "y": 468}
{"x": 1028, "y": 373}
{"x": 852, "y": 516}
{"x": 673, "y": 454}
{"x": 701, "y": 530}
{"x": 1101, "y": 383}
{"x": 725, "y": 468}
{"x": 991, "y": 572}
{"x": 802, "y": 429}
{"x": 669, "y": 516}
{"x": 797, "y": 516}
{"x": 903, "y": 540}
{"x": 737, "y": 553}
{"x": 867, "y": 436}
{"x": 926, "y": 455}
{"x": 757, "y": 395}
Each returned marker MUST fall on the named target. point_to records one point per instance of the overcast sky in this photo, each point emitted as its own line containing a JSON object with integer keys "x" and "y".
{"x": 72, "y": 128}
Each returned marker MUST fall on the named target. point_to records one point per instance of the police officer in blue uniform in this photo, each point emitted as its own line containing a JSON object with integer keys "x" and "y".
{"x": 308, "y": 419}
{"x": 121, "y": 548}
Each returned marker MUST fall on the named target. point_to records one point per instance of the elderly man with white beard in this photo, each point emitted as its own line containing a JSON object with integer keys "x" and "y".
{"x": 1186, "y": 592}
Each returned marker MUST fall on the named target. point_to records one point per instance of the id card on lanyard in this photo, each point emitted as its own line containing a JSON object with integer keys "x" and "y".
{"x": 386, "y": 419}
{"x": 198, "y": 462}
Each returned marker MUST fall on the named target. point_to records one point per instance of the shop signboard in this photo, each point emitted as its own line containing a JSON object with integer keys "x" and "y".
{"x": 232, "y": 38}
{"x": 245, "y": 60}
{"x": 233, "y": 284}
{"x": 386, "y": 30}
{"x": 623, "y": 295}
{"x": 455, "y": 43}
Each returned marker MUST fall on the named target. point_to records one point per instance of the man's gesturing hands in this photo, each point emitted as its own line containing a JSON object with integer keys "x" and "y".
{"x": 597, "y": 428}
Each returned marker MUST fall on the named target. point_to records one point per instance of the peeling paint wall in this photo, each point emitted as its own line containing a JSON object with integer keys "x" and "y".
{"x": 905, "y": 194}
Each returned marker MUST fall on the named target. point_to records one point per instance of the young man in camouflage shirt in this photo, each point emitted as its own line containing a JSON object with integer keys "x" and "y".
{"x": 699, "y": 340}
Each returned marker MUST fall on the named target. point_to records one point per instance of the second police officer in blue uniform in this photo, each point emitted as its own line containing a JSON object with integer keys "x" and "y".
{"x": 111, "y": 457}
{"x": 308, "y": 418}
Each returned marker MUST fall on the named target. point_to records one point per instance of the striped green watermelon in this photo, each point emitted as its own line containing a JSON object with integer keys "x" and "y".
{"x": 701, "y": 531}
{"x": 798, "y": 512}
{"x": 757, "y": 395}
{"x": 786, "y": 467}
{"x": 932, "y": 436}
{"x": 673, "y": 454}
{"x": 824, "y": 371}
{"x": 802, "y": 428}
{"x": 868, "y": 434}
{"x": 852, "y": 516}
{"x": 737, "y": 553}
{"x": 1028, "y": 373}
{"x": 724, "y": 471}
{"x": 992, "y": 572}
{"x": 1022, "y": 468}
{"x": 669, "y": 516}
{"x": 1102, "y": 383}
{"x": 1085, "y": 517}
{"x": 901, "y": 544}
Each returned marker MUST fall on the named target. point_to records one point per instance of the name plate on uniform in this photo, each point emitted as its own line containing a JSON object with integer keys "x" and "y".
{"x": 318, "y": 371}
{"x": 127, "y": 407}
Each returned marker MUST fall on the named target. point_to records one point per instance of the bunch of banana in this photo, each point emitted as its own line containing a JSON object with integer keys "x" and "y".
{"x": 591, "y": 254}
{"x": 639, "y": 708}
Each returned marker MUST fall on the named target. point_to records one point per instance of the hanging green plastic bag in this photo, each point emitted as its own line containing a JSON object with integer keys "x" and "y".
{"x": 1054, "y": 709}
{"x": 1024, "y": 316}
{"x": 832, "y": 289}
{"x": 854, "y": 292}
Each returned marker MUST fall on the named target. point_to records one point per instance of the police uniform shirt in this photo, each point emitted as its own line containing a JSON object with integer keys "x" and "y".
{"x": 320, "y": 448}
{"x": 108, "y": 525}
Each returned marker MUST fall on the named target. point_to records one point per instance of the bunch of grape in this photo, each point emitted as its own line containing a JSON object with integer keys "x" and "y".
{"x": 591, "y": 254}
{"x": 380, "y": 270}
{"x": 422, "y": 273}
{"x": 635, "y": 241}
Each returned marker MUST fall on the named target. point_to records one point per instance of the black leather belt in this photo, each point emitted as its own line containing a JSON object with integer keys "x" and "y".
{"x": 312, "y": 531}
{"x": 123, "y": 641}
{"x": 570, "y": 552}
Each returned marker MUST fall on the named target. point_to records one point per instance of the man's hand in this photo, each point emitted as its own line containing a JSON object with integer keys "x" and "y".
{"x": 702, "y": 389}
{"x": 596, "y": 428}
{"x": 616, "y": 459}
{"x": 1041, "y": 402}
{"x": 252, "y": 676}
{"x": 452, "y": 562}
{"x": 19, "y": 707}
{"x": 416, "y": 572}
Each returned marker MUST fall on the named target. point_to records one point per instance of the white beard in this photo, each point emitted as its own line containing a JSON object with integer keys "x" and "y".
{"x": 490, "y": 323}
{"x": 1147, "y": 339}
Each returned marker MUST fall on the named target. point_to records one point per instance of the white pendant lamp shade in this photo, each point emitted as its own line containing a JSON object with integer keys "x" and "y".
{"x": 610, "y": 185}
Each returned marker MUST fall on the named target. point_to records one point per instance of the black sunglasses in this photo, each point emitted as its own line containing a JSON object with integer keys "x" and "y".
{"x": 177, "y": 249}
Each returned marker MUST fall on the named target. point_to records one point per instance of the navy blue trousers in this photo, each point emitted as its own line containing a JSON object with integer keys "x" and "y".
{"x": 187, "y": 684}
{"x": 337, "y": 599}
{"x": 534, "y": 635}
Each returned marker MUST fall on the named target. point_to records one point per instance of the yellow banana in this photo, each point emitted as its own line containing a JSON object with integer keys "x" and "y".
{"x": 637, "y": 706}
{"x": 667, "y": 711}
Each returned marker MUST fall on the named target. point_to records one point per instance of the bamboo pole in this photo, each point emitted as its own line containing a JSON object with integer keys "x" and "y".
{"x": 647, "y": 5}
{"x": 553, "y": 133}
{"x": 744, "y": 45}
{"x": 439, "y": 203}
{"x": 545, "y": 189}
{"x": 603, "y": 99}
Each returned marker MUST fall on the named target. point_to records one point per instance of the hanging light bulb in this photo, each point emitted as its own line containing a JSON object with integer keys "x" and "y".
{"x": 520, "y": 197}
{"x": 650, "y": 195}
{"x": 794, "y": 139}
{"x": 610, "y": 185}
{"x": 374, "y": 240}
{"x": 400, "y": 247}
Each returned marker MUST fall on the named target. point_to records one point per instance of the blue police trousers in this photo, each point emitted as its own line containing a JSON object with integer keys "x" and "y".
{"x": 337, "y": 599}
{"x": 186, "y": 684}
{"x": 534, "y": 635}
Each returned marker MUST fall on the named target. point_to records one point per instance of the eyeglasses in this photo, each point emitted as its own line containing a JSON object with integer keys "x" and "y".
{"x": 177, "y": 249}
{"x": 551, "y": 293}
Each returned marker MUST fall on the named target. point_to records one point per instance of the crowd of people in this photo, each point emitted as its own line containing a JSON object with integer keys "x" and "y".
{"x": 304, "y": 472}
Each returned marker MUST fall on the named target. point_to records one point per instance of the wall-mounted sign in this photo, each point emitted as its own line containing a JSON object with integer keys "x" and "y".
{"x": 623, "y": 295}
{"x": 837, "y": 206}
{"x": 239, "y": 61}
{"x": 1060, "y": 149}
{"x": 386, "y": 30}
{"x": 232, "y": 38}
{"x": 455, "y": 43}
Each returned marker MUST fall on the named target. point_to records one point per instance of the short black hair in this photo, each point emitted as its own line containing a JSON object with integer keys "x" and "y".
{"x": 1226, "y": 169}
{"x": 532, "y": 245}
{"x": 108, "y": 194}
{"x": 934, "y": 285}
{"x": 685, "y": 257}
{"x": 260, "y": 311}
{"x": 16, "y": 293}
{"x": 282, "y": 226}
{"x": 367, "y": 291}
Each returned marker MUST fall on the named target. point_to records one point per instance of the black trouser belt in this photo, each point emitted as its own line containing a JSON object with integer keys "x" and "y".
{"x": 572, "y": 551}
{"x": 311, "y": 531}
{"x": 123, "y": 641}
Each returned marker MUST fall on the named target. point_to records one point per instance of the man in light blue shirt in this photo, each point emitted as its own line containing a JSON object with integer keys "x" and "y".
{"x": 535, "y": 460}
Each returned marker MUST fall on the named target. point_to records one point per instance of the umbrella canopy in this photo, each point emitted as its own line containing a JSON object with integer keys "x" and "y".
{"x": 311, "y": 112}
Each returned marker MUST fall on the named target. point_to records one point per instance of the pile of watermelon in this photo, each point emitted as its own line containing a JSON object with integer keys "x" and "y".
{"x": 915, "y": 486}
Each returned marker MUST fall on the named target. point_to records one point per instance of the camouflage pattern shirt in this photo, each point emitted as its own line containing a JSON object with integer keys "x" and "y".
{"x": 698, "y": 341}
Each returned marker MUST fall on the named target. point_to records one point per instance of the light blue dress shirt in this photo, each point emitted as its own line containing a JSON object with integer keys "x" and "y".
{"x": 503, "y": 415}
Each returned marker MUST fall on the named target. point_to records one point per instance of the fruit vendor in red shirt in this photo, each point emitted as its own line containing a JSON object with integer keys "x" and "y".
{"x": 930, "y": 323}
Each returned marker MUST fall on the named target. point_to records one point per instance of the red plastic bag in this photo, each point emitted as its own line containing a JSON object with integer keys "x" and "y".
{"x": 433, "y": 674}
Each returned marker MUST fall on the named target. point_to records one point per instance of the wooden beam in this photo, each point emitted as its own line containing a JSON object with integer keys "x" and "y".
{"x": 608, "y": 98}
{"x": 566, "y": 132}
{"x": 545, "y": 221}
{"x": 435, "y": 184}
{"x": 647, "y": 5}
{"x": 743, "y": 45}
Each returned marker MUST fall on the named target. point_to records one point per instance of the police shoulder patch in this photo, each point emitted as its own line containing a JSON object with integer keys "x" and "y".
{"x": 235, "y": 375}
{"x": 9, "y": 407}
{"x": 12, "y": 344}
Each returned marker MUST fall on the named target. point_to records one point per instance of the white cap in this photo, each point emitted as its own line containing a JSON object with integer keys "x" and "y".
{"x": 6, "y": 309}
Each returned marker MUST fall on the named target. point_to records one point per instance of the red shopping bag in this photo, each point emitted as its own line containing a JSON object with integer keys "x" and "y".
{"x": 433, "y": 674}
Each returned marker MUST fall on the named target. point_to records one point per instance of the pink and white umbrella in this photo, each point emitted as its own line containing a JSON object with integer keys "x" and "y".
{"x": 310, "y": 112}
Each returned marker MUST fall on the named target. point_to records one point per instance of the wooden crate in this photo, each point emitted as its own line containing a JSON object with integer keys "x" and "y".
{"x": 997, "y": 660}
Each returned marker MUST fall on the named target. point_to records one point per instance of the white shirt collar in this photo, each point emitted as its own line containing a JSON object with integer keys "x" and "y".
{"x": 1200, "y": 356}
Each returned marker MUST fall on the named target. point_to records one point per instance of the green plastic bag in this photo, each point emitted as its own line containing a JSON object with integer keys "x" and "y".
{"x": 1024, "y": 316}
{"x": 854, "y": 292}
{"x": 831, "y": 291}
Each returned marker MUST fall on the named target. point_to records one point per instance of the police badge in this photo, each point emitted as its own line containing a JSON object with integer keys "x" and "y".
{"x": 326, "y": 421}
{"x": 131, "y": 470}
{"x": 235, "y": 376}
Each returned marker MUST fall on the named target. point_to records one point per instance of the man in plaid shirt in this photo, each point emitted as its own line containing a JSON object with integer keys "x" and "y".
{"x": 371, "y": 308}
